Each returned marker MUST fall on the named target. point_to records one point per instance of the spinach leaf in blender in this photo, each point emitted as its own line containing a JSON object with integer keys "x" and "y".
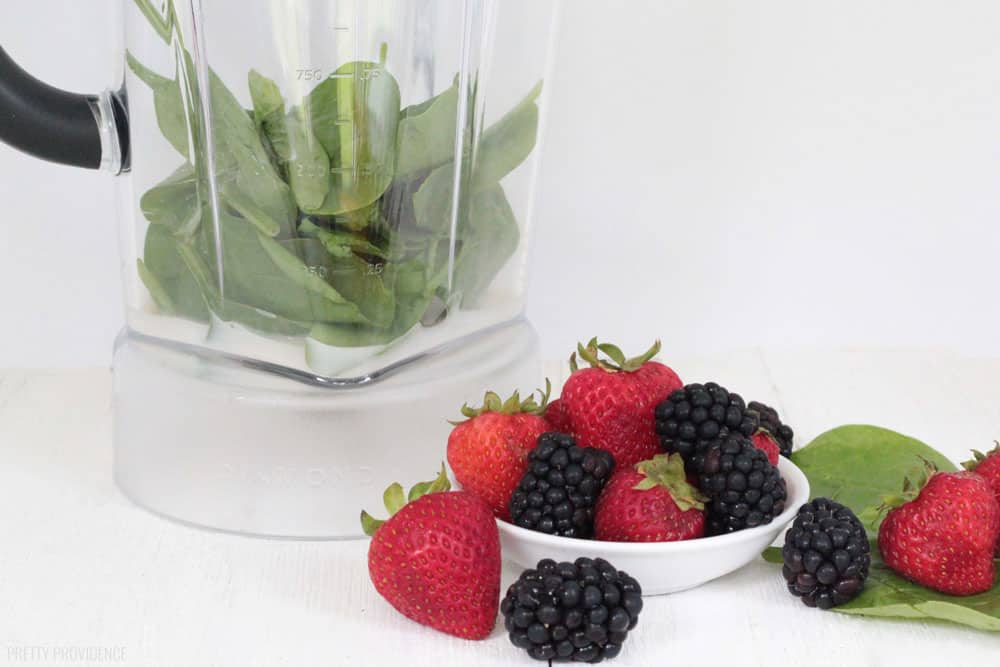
{"x": 265, "y": 274}
{"x": 168, "y": 279}
{"x": 174, "y": 203}
{"x": 304, "y": 159}
{"x": 426, "y": 137}
{"x": 355, "y": 113}
{"x": 341, "y": 242}
{"x": 488, "y": 235}
{"x": 246, "y": 179}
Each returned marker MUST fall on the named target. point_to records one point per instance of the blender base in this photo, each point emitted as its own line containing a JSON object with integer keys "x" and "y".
{"x": 243, "y": 451}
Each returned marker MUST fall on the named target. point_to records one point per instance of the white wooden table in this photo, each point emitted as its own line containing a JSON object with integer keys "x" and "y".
{"x": 81, "y": 569}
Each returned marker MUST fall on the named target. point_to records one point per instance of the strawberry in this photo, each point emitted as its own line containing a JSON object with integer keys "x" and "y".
{"x": 944, "y": 537}
{"x": 489, "y": 451}
{"x": 987, "y": 466}
{"x": 765, "y": 442}
{"x": 557, "y": 418}
{"x": 650, "y": 502}
{"x": 611, "y": 404}
{"x": 437, "y": 558}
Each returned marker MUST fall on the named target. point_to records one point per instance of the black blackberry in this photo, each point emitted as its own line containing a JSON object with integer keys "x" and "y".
{"x": 771, "y": 422}
{"x": 558, "y": 492}
{"x": 744, "y": 489}
{"x": 580, "y": 611}
{"x": 826, "y": 554}
{"x": 694, "y": 416}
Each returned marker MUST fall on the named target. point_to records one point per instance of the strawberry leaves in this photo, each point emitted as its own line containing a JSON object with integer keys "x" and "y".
{"x": 978, "y": 457}
{"x": 394, "y": 499}
{"x": 667, "y": 470}
{"x": 512, "y": 406}
{"x": 618, "y": 363}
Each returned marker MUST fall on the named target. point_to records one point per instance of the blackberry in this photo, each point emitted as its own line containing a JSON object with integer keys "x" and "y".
{"x": 558, "y": 492}
{"x": 826, "y": 554}
{"x": 770, "y": 422}
{"x": 744, "y": 489}
{"x": 694, "y": 416}
{"x": 580, "y": 611}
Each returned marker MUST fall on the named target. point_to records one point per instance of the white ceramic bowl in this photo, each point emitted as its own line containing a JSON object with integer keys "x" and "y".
{"x": 663, "y": 567}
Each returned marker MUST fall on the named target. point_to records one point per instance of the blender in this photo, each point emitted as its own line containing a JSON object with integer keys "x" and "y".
{"x": 325, "y": 214}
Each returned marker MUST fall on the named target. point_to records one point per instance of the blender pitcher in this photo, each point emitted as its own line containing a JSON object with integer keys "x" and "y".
{"x": 325, "y": 210}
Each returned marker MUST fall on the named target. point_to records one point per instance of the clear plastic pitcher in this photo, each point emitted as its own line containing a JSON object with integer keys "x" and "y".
{"x": 326, "y": 208}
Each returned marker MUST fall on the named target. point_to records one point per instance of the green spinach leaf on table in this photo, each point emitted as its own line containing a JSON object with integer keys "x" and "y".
{"x": 888, "y": 595}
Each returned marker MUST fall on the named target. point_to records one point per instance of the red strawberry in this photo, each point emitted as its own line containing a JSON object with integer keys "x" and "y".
{"x": 437, "y": 558}
{"x": 987, "y": 466}
{"x": 557, "y": 418}
{"x": 944, "y": 537}
{"x": 489, "y": 451}
{"x": 611, "y": 404}
{"x": 765, "y": 442}
{"x": 650, "y": 502}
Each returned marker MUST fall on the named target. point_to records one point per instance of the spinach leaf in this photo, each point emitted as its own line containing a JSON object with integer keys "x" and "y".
{"x": 291, "y": 136}
{"x": 341, "y": 243}
{"x": 432, "y": 203}
{"x": 427, "y": 133}
{"x": 355, "y": 115}
{"x": 488, "y": 235}
{"x": 502, "y": 148}
{"x": 228, "y": 309}
{"x": 246, "y": 178}
{"x": 362, "y": 284}
{"x": 174, "y": 203}
{"x": 168, "y": 280}
{"x": 413, "y": 293}
{"x": 888, "y": 595}
{"x": 168, "y": 103}
{"x": 265, "y": 274}
{"x": 857, "y": 465}
{"x": 507, "y": 144}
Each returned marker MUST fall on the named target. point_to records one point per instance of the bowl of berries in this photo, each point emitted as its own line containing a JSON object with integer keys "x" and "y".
{"x": 675, "y": 484}
{"x": 649, "y": 521}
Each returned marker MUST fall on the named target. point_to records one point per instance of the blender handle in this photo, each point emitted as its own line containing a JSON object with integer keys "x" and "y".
{"x": 89, "y": 131}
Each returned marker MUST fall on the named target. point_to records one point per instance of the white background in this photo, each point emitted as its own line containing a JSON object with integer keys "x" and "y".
{"x": 754, "y": 173}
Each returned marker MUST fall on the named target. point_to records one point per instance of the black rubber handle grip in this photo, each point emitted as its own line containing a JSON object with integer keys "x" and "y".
{"x": 46, "y": 122}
